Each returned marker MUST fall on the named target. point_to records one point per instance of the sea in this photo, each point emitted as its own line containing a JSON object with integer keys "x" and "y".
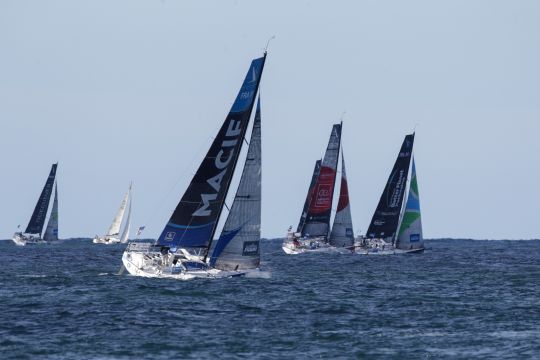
{"x": 461, "y": 299}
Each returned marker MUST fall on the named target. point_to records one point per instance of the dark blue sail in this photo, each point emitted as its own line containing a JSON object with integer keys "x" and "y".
{"x": 35, "y": 226}
{"x": 385, "y": 220}
{"x": 305, "y": 210}
{"x": 194, "y": 220}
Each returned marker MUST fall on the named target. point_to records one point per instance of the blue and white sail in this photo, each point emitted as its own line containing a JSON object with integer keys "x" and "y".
{"x": 410, "y": 232}
{"x": 238, "y": 246}
{"x": 194, "y": 221}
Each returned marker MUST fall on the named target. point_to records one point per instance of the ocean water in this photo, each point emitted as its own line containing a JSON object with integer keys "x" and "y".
{"x": 463, "y": 299}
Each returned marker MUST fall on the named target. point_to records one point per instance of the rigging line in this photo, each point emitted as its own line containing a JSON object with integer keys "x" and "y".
{"x": 268, "y": 42}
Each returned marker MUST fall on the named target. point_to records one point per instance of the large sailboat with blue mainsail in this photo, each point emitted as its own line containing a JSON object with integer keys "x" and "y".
{"x": 186, "y": 249}
{"x": 396, "y": 225}
{"x": 33, "y": 233}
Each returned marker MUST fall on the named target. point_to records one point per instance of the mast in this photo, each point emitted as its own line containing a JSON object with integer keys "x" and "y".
{"x": 35, "y": 225}
{"x": 194, "y": 221}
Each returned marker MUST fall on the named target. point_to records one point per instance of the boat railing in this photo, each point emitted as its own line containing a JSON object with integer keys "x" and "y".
{"x": 140, "y": 246}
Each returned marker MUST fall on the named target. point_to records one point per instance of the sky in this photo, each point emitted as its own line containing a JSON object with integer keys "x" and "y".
{"x": 132, "y": 90}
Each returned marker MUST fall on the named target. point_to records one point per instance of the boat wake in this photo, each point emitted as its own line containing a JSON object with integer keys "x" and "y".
{"x": 259, "y": 275}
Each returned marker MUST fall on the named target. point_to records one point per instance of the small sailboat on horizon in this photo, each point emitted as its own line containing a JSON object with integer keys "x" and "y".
{"x": 113, "y": 235}
{"x": 313, "y": 232}
{"x": 32, "y": 234}
{"x": 396, "y": 226}
{"x": 184, "y": 249}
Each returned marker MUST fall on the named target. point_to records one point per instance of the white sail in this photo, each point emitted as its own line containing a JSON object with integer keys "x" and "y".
{"x": 342, "y": 231}
{"x": 114, "y": 230}
{"x": 125, "y": 234}
{"x": 51, "y": 232}
{"x": 238, "y": 245}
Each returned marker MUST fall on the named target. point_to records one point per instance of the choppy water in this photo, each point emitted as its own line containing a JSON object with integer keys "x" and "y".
{"x": 464, "y": 299}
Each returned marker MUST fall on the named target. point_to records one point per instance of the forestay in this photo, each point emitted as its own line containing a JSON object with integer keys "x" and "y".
{"x": 238, "y": 245}
{"x": 193, "y": 222}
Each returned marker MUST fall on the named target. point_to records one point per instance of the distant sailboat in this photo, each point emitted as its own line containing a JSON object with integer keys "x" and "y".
{"x": 313, "y": 231}
{"x": 394, "y": 213}
{"x": 113, "y": 234}
{"x": 183, "y": 250}
{"x": 32, "y": 234}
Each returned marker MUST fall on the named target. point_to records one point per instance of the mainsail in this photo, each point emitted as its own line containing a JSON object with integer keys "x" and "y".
{"x": 35, "y": 226}
{"x": 238, "y": 245}
{"x": 127, "y": 226}
{"x": 51, "y": 232}
{"x": 410, "y": 231}
{"x": 114, "y": 230}
{"x": 385, "y": 220}
{"x": 342, "y": 231}
{"x": 193, "y": 222}
{"x": 314, "y": 178}
{"x": 320, "y": 207}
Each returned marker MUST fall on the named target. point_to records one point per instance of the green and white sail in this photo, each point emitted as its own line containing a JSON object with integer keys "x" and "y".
{"x": 410, "y": 232}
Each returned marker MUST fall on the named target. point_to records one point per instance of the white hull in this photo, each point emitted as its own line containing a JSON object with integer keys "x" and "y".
{"x": 311, "y": 246}
{"x": 139, "y": 260}
{"x": 380, "y": 247}
{"x": 106, "y": 240}
{"x": 22, "y": 240}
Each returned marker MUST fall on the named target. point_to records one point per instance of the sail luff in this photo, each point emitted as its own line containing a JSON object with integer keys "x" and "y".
{"x": 114, "y": 229}
{"x": 238, "y": 245}
{"x": 51, "y": 232}
{"x": 320, "y": 209}
{"x": 194, "y": 221}
{"x": 314, "y": 178}
{"x": 385, "y": 220}
{"x": 37, "y": 221}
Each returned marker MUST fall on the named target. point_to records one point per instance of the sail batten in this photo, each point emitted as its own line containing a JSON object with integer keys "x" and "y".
{"x": 385, "y": 221}
{"x": 196, "y": 216}
{"x": 238, "y": 245}
{"x": 37, "y": 221}
{"x": 320, "y": 208}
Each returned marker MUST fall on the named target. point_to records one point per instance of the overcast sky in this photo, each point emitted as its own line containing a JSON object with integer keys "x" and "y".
{"x": 134, "y": 90}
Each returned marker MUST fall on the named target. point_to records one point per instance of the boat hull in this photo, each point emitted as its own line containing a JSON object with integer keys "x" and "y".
{"x": 106, "y": 240}
{"x": 312, "y": 246}
{"x": 139, "y": 260}
{"x": 22, "y": 240}
{"x": 362, "y": 251}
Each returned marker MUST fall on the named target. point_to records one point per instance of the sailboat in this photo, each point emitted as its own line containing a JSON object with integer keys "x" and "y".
{"x": 313, "y": 231}
{"x": 184, "y": 248}
{"x": 32, "y": 234}
{"x": 396, "y": 226}
{"x": 113, "y": 235}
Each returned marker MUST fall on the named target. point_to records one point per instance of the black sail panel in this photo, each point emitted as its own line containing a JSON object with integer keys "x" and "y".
{"x": 386, "y": 217}
{"x": 314, "y": 178}
{"x": 35, "y": 226}
{"x": 193, "y": 222}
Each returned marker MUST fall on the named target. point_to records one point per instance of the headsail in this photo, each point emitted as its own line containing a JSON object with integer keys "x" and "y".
{"x": 114, "y": 230}
{"x": 410, "y": 231}
{"x": 51, "y": 232}
{"x": 342, "y": 231}
{"x": 35, "y": 226}
{"x": 385, "y": 220}
{"x": 127, "y": 226}
{"x": 238, "y": 245}
{"x": 320, "y": 207}
{"x": 314, "y": 178}
{"x": 194, "y": 220}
